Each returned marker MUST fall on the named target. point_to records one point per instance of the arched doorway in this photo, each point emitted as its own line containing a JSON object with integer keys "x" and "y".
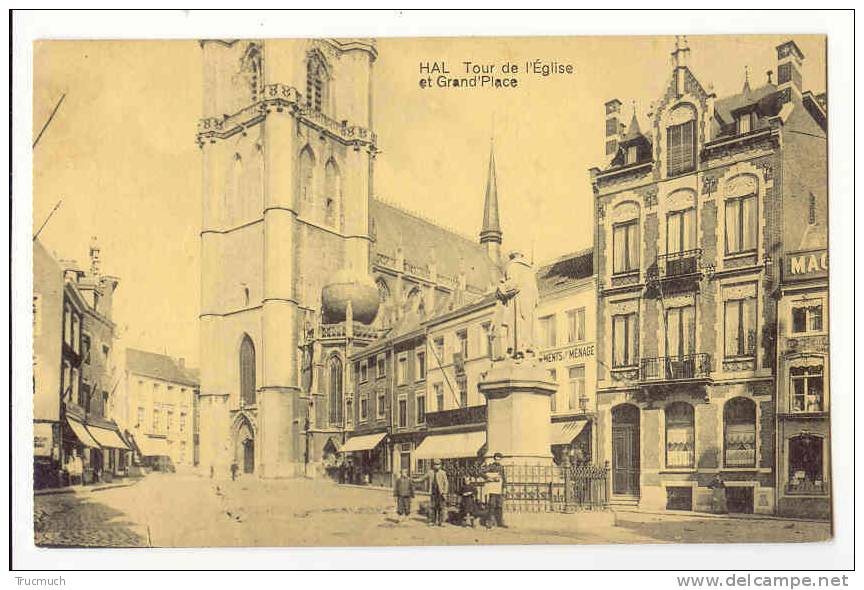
{"x": 244, "y": 446}
{"x": 625, "y": 450}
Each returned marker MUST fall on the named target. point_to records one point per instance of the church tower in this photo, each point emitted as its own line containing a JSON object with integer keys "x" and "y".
{"x": 287, "y": 157}
{"x": 490, "y": 233}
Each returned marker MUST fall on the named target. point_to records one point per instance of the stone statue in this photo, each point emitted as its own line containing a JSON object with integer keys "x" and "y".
{"x": 517, "y": 295}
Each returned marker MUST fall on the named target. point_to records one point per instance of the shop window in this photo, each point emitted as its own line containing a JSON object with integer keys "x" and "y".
{"x": 681, "y": 146}
{"x": 625, "y": 340}
{"x": 625, "y": 246}
{"x": 807, "y": 389}
{"x": 806, "y": 317}
{"x": 806, "y": 465}
{"x": 679, "y": 498}
{"x": 741, "y": 224}
{"x": 740, "y": 327}
{"x": 680, "y": 435}
{"x": 739, "y": 433}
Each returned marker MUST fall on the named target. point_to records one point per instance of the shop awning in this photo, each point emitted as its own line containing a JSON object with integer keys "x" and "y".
{"x": 451, "y": 446}
{"x": 563, "y": 433}
{"x": 152, "y": 447}
{"x": 363, "y": 442}
{"x": 107, "y": 438}
{"x": 82, "y": 434}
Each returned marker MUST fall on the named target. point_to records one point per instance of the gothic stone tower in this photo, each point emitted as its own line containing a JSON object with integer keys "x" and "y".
{"x": 287, "y": 153}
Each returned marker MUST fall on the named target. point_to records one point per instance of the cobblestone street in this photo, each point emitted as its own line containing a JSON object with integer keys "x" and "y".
{"x": 185, "y": 510}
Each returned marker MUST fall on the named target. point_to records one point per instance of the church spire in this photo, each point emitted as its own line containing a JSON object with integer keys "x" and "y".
{"x": 490, "y": 233}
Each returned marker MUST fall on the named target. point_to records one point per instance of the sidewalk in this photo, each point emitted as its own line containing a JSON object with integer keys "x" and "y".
{"x": 86, "y": 489}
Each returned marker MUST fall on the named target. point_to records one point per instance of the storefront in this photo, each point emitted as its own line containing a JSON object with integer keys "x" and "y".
{"x": 114, "y": 451}
{"x": 79, "y": 449}
{"x": 571, "y": 439}
{"x": 365, "y": 460}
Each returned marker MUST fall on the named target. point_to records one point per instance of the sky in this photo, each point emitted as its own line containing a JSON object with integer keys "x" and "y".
{"x": 122, "y": 157}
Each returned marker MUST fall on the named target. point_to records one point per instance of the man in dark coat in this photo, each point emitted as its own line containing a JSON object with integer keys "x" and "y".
{"x": 403, "y": 491}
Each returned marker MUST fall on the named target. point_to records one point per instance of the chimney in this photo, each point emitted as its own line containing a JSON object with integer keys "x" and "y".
{"x": 95, "y": 256}
{"x": 789, "y": 62}
{"x": 613, "y": 126}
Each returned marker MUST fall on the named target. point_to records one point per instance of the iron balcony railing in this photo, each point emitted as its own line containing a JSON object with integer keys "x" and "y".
{"x": 678, "y": 264}
{"x": 676, "y": 368}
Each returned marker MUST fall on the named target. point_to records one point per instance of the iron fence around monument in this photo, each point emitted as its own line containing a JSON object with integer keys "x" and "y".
{"x": 538, "y": 488}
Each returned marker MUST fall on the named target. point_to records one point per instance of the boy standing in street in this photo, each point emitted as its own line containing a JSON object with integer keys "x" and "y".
{"x": 403, "y": 491}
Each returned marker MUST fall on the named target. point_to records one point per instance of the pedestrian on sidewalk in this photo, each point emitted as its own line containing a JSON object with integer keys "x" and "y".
{"x": 234, "y": 469}
{"x": 403, "y": 491}
{"x": 494, "y": 488}
{"x": 438, "y": 489}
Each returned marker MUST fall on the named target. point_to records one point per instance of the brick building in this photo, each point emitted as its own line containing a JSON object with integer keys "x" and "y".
{"x": 692, "y": 223}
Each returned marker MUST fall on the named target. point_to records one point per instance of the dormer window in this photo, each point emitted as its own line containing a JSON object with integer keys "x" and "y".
{"x": 631, "y": 155}
{"x": 745, "y": 123}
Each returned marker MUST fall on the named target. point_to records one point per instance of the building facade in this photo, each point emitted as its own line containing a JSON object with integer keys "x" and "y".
{"x": 159, "y": 396}
{"x": 297, "y": 255}
{"x": 689, "y": 221}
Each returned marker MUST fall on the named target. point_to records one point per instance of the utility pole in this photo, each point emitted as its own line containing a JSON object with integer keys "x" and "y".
{"x": 50, "y": 118}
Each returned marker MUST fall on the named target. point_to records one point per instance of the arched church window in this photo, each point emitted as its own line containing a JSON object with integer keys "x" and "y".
{"x": 307, "y": 177}
{"x": 247, "y": 372}
{"x": 335, "y": 391}
{"x": 332, "y": 193}
{"x": 316, "y": 82}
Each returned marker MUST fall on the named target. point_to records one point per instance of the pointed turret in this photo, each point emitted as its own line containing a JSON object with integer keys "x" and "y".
{"x": 745, "y": 91}
{"x": 490, "y": 233}
{"x": 633, "y": 130}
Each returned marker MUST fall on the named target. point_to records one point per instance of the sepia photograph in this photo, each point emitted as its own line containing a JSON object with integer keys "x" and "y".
{"x": 328, "y": 291}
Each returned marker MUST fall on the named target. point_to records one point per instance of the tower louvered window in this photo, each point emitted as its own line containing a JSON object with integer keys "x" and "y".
{"x": 681, "y": 142}
{"x": 316, "y": 83}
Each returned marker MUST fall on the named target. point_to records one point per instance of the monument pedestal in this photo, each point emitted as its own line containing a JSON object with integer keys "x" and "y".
{"x": 518, "y": 408}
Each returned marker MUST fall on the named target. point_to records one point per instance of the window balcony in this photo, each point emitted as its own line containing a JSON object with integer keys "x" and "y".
{"x": 677, "y": 265}
{"x": 689, "y": 367}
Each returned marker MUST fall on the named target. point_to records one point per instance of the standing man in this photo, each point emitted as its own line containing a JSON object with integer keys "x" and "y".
{"x": 438, "y": 488}
{"x": 494, "y": 487}
{"x": 234, "y": 469}
{"x": 403, "y": 490}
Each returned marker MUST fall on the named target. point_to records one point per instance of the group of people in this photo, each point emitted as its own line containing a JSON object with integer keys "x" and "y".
{"x": 481, "y": 497}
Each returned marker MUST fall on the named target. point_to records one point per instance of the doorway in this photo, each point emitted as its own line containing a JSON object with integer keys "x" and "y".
{"x": 739, "y": 499}
{"x": 249, "y": 456}
{"x": 625, "y": 450}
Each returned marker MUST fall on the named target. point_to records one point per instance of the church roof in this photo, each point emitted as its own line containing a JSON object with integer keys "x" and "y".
{"x": 424, "y": 242}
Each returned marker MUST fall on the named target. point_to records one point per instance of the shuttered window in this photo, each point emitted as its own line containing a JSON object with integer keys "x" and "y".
{"x": 681, "y": 144}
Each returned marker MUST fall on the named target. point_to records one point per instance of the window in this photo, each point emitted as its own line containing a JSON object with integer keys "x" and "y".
{"x": 85, "y": 348}
{"x": 420, "y": 359}
{"x": 806, "y": 465}
{"x": 247, "y": 372}
{"x": 156, "y": 420}
{"x": 625, "y": 340}
{"x": 576, "y": 390}
{"x": 316, "y": 82}
{"x": 349, "y": 411}
{"x": 66, "y": 386}
{"x": 182, "y": 421}
{"x": 169, "y": 424}
{"x": 462, "y": 383}
{"x": 680, "y": 435}
{"x": 76, "y": 333}
{"x": 680, "y": 331}
{"x": 576, "y": 325}
{"x": 807, "y": 389}
{"x": 140, "y": 419}
{"x": 382, "y": 405}
{"x": 438, "y": 348}
{"x": 741, "y": 224}
{"x": 462, "y": 343}
{"x": 381, "y": 366}
{"x": 364, "y": 408}
{"x": 402, "y": 370}
{"x": 439, "y": 397}
{"x": 740, "y": 328}
{"x": 336, "y": 388}
{"x": 746, "y": 122}
{"x": 84, "y": 402}
{"x": 625, "y": 245}
{"x": 67, "y": 324}
{"x": 486, "y": 339}
{"x": 364, "y": 371}
{"x": 681, "y": 146}
{"x": 553, "y": 377}
{"x": 807, "y": 317}
{"x": 105, "y": 351}
{"x": 403, "y": 412}
{"x": 739, "y": 433}
{"x": 76, "y": 393}
{"x": 421, "y": 409}
{"x": 680, "y": 231}
{"x": 548, "y": 336}
{"x": 631, "y": 155}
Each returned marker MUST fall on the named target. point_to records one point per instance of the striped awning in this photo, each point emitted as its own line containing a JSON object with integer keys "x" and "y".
{"x": 563, "y": 433}
{"x": 82, "y": 434}
{"x": 107, "y": 438}
{"x": 364, "y": 442}
{"x": 456, "y": 445}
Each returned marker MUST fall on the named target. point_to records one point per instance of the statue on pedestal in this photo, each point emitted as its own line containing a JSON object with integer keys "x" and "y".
{"x": 515, "y": 313}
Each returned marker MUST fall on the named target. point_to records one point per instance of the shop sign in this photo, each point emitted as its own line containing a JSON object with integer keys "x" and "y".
{"x": 806, "y": 265}
{"x": 571, "y": 353}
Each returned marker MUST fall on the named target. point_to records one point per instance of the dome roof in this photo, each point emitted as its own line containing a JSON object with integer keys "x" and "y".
{"x": 346, "y": 287}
